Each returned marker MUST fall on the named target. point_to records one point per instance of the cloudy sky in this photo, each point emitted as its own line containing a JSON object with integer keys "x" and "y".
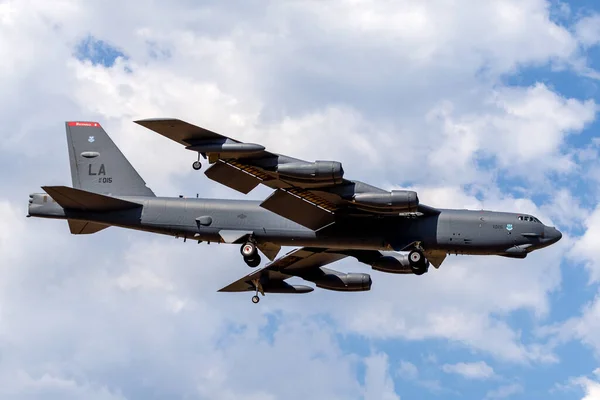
{"x": 476, "y": 104}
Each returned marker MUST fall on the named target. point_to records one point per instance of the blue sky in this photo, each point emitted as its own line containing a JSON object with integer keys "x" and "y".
{"x": 476, "y": 105}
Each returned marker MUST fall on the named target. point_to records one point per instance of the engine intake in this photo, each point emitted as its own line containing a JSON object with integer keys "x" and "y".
{"x": 395, "y": 263}
{"x": 405, "y": 200}
{"x": 352, "y": 282}
{"x": 320, "y": 171}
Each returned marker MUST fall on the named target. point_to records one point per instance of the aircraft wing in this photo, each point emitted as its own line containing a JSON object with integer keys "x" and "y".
{"x": 306, "y": 263}
{"x": 312, "y": 194}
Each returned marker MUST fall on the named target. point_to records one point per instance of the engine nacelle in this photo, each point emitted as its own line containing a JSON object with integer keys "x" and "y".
{"x": 405, "y": 200}
{"x": 351, "y": 282}
{"x": 318, "y": 171}
{"x": 394, "y": 263}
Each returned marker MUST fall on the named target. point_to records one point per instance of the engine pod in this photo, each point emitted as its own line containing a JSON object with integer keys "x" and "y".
{"x": 405, "y": 200}
{"x": 350, "y": 282}
{"x": 318, "y": 171}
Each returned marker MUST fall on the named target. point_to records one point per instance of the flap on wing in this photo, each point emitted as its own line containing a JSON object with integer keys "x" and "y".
{"x": 435, "y": 257}
{"x": 232, "y": 177}
{"x": 231, "y": 236}
{"x": 269, "y": 249}
{"x": 179, "y": 131}
{"x": 76, "y": 199}
{"x": 85, "y": 227}
{"x": 299, "y": 209}
{"x": 305, "y": 258}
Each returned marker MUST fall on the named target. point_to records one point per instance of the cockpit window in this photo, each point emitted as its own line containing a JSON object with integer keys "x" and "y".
{"x": 528, "y": 218}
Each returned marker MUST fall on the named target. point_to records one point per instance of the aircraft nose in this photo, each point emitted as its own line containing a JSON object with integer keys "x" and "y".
{"x": 551, "y": 234}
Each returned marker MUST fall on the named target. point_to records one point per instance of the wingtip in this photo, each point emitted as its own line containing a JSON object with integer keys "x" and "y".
{"x": 148, "y": 120}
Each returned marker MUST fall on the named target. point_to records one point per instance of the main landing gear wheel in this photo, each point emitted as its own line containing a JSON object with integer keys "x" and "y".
{"x": 248, "y": 250}
{"x": 197, "y": 165}
{"x": 255, "y": 299}
{"x": 415, "y": 257}
{"x": 253, "y": 262}
{"x": 418, "y": 263}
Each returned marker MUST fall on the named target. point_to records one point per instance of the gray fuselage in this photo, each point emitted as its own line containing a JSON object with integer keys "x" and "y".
{"x": 452, "y": 231}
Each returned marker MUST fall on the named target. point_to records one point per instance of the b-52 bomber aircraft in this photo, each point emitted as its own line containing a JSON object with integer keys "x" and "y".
{"x": 313, "y": 206}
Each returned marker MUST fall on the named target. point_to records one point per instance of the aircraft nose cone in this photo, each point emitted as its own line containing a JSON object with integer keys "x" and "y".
{"x": 552, "y": 235}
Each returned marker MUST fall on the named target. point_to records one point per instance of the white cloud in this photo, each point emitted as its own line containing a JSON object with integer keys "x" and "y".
{"x": 584, "y": 327}
{"x": 408, "y": 370}
{"x": 590, "y": 386}
{"x": 566, "y": 210}
{"x": 378, "y": 383}
{"x": 522, "y": 129}
{"x": 23, "y": 385}
{"x": 474, "y": 370}
{"x": 504, "y": 392}
{"x": 587, "y": 30}
{"x": 585, "y": 248}
{"x": 278, "y": 75}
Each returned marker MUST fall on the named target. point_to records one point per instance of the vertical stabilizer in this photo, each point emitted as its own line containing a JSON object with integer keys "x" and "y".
{"x": 97, "y": 164}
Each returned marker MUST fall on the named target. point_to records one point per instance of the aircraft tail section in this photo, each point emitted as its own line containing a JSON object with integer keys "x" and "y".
{"x": 97, "y": 164}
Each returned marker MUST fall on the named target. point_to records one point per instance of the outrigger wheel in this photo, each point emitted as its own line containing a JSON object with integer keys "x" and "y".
{"x": 258, "y": 287}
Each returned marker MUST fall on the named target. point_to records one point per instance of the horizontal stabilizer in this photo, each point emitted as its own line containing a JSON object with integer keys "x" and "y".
{"x": 85, "y": 227}
{"x": 76, "y": 199}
